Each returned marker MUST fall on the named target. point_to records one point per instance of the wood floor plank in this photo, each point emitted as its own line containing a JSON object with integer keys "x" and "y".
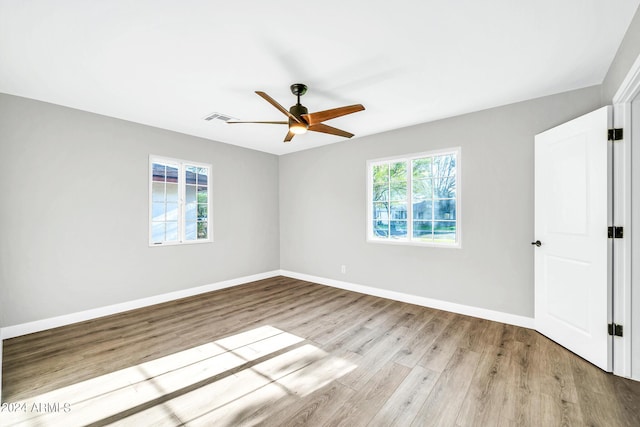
{"x": 344, "y": 320}
{"x": 473, "y": 339}
{"x": 315, "y": 410}
{"x": 282, "y": 351}
{"x": 522, "y": 406}
{"x": 403, "y": 406}
{"x": 374, "y": 359}
{"x": 359, "y": 410}
{"x": 552, "y": 369}
{"x": 443, "y": 403}
{"x": 445, "y": 345}
{"x": 364, "y": 314}
{"x": 417, "y": 346}
{"x": 491, "y": 386}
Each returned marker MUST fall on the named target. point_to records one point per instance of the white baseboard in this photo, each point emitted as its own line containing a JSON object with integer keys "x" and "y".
{"x": 483, "y": 313}
{"x": 67, "y": 319}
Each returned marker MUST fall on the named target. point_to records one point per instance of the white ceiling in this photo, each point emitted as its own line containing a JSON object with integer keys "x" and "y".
{"x": 169, "y": 64}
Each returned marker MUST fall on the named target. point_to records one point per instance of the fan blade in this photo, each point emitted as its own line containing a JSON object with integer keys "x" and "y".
{"x": 264, "y": 123}
{"x": 321, "y": 127}
{"x": 289, "y": 136}
{"x": 273, "y": 102}
{"x": 321, "y": 116}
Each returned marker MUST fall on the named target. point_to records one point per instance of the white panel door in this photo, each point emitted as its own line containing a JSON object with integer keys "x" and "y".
{"x": 572, "y": 262}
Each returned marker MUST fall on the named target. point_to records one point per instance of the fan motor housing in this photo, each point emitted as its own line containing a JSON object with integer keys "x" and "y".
{"x": 298, "y": 110}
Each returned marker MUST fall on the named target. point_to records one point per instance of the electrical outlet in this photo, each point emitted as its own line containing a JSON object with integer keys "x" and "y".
{"x": 343, "y": 269}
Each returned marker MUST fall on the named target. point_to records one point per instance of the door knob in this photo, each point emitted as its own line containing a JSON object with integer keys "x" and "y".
{"x": 538, "y": 243}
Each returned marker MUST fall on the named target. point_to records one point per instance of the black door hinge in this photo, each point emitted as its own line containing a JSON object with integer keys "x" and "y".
{"x": 615, "y": 134}
{"x": 615, "y": 232}
{"x": 615, "y": 330}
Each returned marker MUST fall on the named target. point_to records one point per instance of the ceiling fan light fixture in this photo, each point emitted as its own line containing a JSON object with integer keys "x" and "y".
{"x": 300, "y": 120}
{"x": 298, "y": 128}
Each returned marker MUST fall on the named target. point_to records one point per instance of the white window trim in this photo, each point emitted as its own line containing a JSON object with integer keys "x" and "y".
{"x": 409, "y": 157}
{"x": 181, "y": 190}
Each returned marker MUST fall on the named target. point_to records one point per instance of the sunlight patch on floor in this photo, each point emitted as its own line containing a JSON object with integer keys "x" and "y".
{"x": 224, "y": 382}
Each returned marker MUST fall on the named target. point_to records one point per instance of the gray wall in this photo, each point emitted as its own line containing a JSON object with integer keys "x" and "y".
{"x": 74, "y": 212}
{"x": 323, "y": 207}
{"x": 627, "y": 53}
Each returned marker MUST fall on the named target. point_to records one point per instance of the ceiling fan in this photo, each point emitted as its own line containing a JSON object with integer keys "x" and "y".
{"x": 300, "y": 120}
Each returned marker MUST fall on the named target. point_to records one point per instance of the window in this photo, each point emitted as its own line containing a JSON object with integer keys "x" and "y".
{"x": 180, "y": 201}
{"x": 415, "y": 199}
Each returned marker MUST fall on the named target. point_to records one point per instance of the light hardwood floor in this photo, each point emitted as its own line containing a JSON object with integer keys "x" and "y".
{"x": 286, "y": 352}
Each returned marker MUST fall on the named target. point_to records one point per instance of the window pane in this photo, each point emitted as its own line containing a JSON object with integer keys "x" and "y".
{"x": 381, "y": 211}
{"x": 172, "y": 192}
{"x": 445, "y": 209}
{"x": 202, "y": 194}
{"x": 381, "y": 192}
{"x": 191, "y": 212}
{"x": 190, "y": 195}
{"x": 172, "y": 174}
{"x": 398, "y": 210}
{"x": 190, "y": 231}
{"x": 423, "y": 210}
{"x": 398, "y": 171}
{"x": 158, "y": 172}
{"x": 172, "y": 211}
{"x": 422, "y": 189}
{"x": 381, "y": 228}
{"x": 444, "y": 231}
{"x": 157, "y": 191}
{"x": 422, "y": 168}
{"x": 202, "y": 212}
{"x": 398, "y": 229}
{"x": 157, "y": 231}
{"x": 445, "y": 188}
{"x": 157, "y": 212}
{"x": 190, "y": 174}
{"x": 203, "y": 176}
{"x": 423, "y": 230}
{"x": 203, "y": 233}
{"x": 381, "y": 173}
{"x": 444, "y": 165}
{"x": 172, "y": 232}
{"x": 399, "y": 190}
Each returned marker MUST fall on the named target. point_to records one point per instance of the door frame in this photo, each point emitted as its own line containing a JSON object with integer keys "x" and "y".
{"x": 624, "y": 280}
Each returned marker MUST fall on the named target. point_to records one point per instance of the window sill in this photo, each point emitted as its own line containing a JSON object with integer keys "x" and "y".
{"x": 189, "y": 242}
{"x": 399, "y": 242}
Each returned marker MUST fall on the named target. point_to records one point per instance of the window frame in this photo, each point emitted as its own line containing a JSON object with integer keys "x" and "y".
{"x": 182, "y": 184}
{"x": 409, "y": 240}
